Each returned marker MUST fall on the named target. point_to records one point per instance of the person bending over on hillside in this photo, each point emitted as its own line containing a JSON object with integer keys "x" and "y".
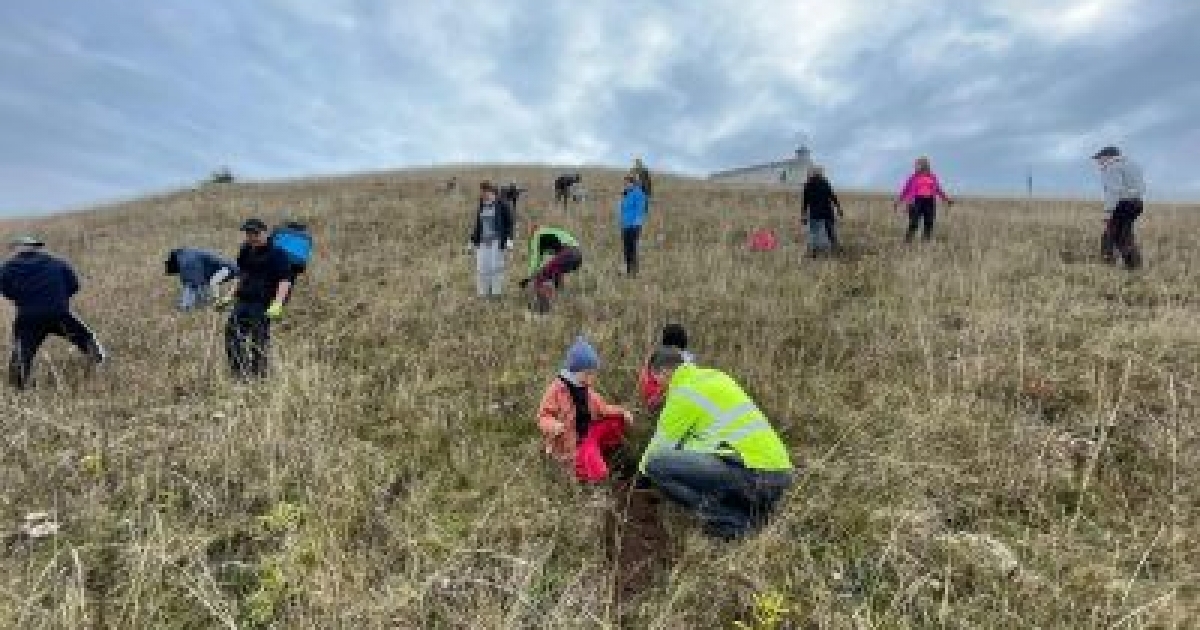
{"x": 652, "y": 389}
{"x": 920, "y": 193}
{"x": 632, "y": 212}
{"x": 41, "y": 287}
{"x": 262, "y": 288}
{"x": 563, "y": 185}
{"x": 713, "y": 450}
{"x": 553, "y": 253}
{"x": 1124, "y": 188}
{"x": 510, "y": 193}
{"x": 819, "y": 209}
{"x": 491, "y": 238}
{"x": 201, "y": 274}
{"x": 578, "y": 427}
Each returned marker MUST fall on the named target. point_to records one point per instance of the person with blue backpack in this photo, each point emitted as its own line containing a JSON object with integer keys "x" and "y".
{"x": 263, "y": 285}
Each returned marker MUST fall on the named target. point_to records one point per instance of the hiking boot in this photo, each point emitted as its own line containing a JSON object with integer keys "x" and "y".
{"x": 1132, "y": 258}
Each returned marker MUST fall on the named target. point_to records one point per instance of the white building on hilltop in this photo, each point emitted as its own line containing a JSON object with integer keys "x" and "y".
{"x": 790, "y": 172}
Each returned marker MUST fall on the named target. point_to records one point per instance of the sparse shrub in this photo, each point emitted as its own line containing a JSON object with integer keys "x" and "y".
{"x": 221, "y": 176}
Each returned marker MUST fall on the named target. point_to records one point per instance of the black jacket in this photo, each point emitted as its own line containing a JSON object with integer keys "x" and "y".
{"x": 818, "y": 199}
{"x": 504, "y": 219}
{"x": 39, "y": 284}
{"x": 511, "y": 194}
{"x": 261, "y": 270}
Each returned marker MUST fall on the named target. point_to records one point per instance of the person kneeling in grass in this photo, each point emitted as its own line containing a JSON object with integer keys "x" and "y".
{"x": 713, "y": 450}
{"x": 578, "y": 426}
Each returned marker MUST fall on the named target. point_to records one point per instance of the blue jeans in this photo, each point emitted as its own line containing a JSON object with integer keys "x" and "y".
{"x": 729, "y": 499}
{"x": 818, "y": 234}
{"x": 194, "y": 296}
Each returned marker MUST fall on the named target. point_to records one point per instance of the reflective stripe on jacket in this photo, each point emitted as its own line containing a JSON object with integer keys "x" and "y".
{"x": 536, "y": 260}
{"x": 707, "y": 411}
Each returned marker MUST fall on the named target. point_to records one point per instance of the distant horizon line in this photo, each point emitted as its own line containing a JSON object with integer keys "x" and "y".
{"x": 100, "y": 204}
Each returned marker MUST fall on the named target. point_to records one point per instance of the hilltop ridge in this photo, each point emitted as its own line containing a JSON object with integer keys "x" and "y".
{"x": 993, "y": 429}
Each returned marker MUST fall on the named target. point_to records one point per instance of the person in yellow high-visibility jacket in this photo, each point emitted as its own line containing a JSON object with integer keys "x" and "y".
{"x": 713, "y": 450}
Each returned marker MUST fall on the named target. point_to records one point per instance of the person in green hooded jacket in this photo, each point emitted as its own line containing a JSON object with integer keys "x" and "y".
{"x": 553, "y": 253}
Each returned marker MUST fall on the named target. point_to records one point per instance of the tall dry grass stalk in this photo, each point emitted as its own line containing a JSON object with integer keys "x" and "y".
{"x": 993, "y": 429}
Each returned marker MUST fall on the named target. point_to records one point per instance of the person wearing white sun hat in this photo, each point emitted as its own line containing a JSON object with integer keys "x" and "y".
{"x": 41, "y": 287}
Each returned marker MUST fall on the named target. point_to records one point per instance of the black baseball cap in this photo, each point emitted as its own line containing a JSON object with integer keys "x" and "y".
{"x": 1107, "y": 152}
{"x": 254, "y": 225}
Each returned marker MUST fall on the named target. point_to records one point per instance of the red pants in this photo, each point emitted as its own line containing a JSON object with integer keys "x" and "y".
{"x": 603, "y": 435}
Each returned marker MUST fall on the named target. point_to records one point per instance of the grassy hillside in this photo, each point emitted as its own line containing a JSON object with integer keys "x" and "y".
{"x": 994, "y": 430}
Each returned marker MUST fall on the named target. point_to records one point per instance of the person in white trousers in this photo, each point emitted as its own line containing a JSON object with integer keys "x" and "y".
{"x": 491, "y": 240}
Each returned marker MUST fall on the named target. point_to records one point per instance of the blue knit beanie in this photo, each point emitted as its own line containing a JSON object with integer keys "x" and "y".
{"x": 581, "y": 356}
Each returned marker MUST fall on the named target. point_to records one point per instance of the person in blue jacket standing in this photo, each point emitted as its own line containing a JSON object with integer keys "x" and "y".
{"x": 633, "y": 214}
{"x": 41, "y": 287}
{"x": 201, "y": 273}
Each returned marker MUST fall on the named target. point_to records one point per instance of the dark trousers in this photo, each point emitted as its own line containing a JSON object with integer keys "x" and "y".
{"x": 629, "y": 240}
{"x": 729, "y": 499}
{"x": 921, "y": 214}
{"x": 550, "y": 276}
{"x": 1118, "y": 234}
{"x": 30, "y": 331}
{"x": 247, "y": 340}
{"x": 831, "y": 231}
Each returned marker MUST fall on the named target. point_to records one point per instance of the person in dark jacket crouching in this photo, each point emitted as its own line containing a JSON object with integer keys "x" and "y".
{"x": 262, "y": 288}
{"x": 41, "y": 287}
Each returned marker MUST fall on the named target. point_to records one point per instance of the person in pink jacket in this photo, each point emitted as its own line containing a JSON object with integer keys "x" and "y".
{"x": 920, "y": 194}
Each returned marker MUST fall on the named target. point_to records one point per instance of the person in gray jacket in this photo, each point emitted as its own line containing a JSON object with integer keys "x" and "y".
{"x": 201, "y": 273}
{"x": 1124, "y": 189}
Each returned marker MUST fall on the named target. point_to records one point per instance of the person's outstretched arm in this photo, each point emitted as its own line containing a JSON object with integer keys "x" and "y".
{"x": 937, "y": 186}
{"x": 676, "y": 419}
{"x": 548, "y": 414}
{"x": 907, "y": 192}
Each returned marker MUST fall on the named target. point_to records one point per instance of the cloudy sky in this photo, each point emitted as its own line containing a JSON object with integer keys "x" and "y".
{"x": 104, "y": 100}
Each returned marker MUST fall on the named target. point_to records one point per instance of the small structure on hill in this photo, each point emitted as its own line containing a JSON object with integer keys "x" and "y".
{"x": 789, "y": 172}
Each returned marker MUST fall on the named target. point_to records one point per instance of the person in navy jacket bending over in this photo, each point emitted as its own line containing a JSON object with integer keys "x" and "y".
{"x": 41, "y": 287}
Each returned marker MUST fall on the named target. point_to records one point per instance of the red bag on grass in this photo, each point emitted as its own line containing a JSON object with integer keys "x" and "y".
{"x": 603, "y": 435}
{"x": 762, "y": 241}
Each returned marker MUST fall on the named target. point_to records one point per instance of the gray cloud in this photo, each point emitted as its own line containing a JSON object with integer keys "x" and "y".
{"x": 116, "y": 100}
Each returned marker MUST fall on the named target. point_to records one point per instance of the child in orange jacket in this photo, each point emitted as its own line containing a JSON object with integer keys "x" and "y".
{"x": 577, "y": 424}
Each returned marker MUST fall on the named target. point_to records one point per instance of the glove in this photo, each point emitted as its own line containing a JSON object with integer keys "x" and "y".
{"x": 275, "y": 311}
{"x": 222, "y": 303}
{"x": 508, "y": 244}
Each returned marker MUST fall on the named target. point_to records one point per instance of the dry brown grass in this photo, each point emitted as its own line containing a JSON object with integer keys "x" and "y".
{"x": 390, "y": 475}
